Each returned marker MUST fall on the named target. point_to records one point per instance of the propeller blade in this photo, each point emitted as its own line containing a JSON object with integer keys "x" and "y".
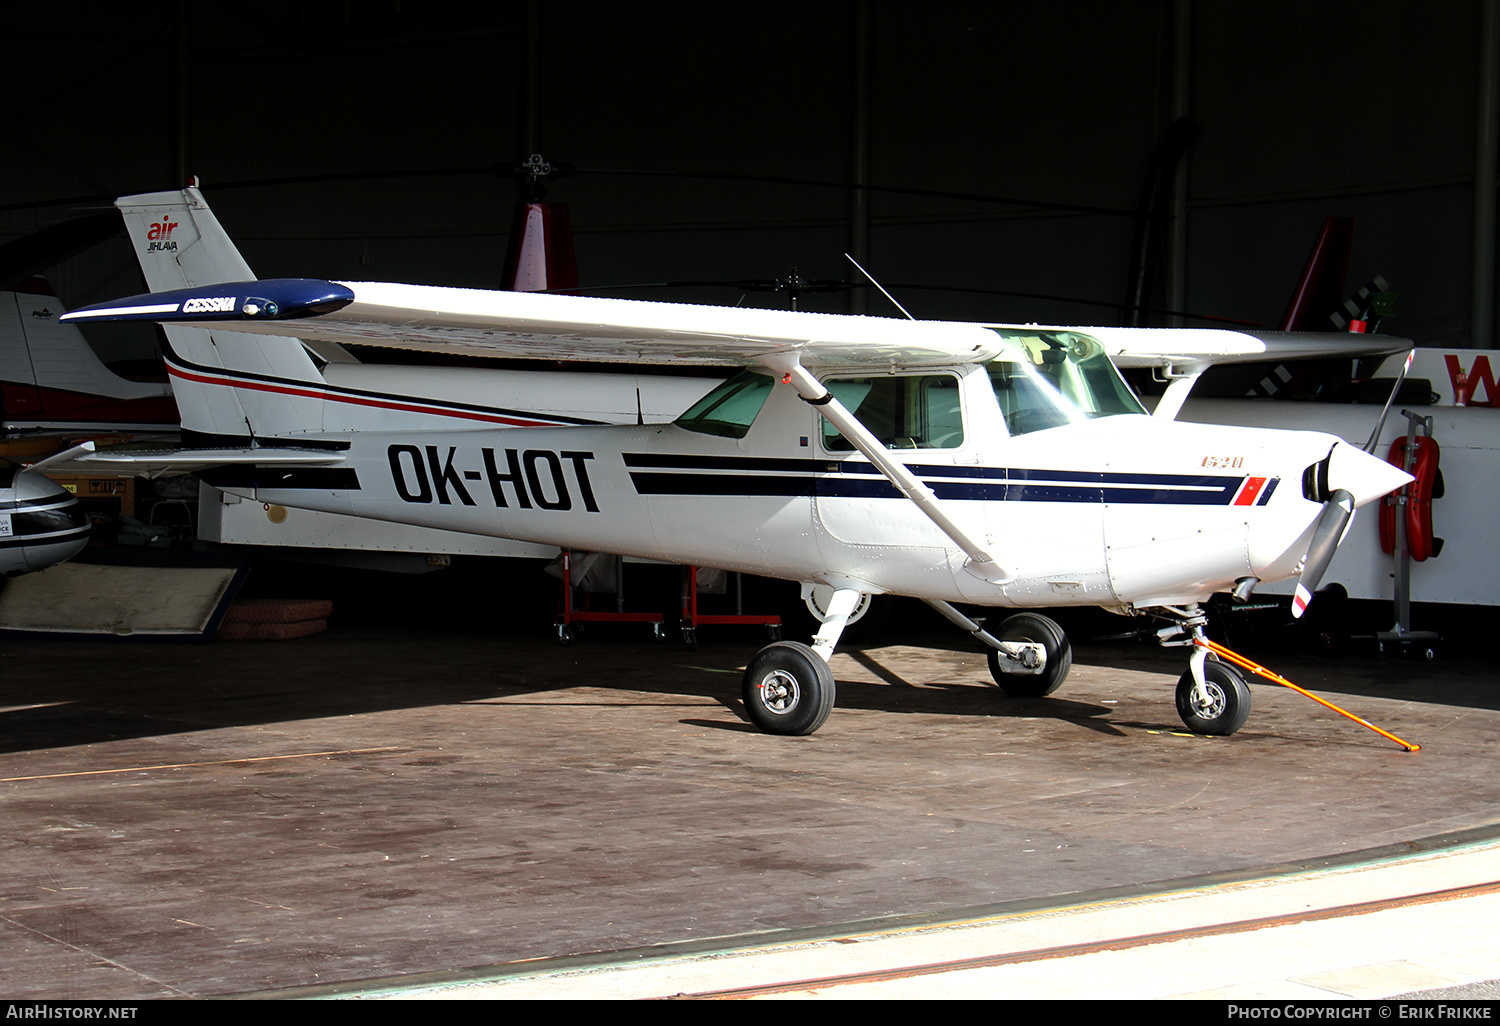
{"x": 1395, "y": 390}
{"x": 1325, "y": 542}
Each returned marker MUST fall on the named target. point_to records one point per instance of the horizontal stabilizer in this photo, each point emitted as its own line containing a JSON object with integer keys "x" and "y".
{"x": 154, "y": 462}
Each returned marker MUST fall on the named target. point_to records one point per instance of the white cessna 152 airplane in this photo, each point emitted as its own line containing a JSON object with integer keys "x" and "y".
{"x": 997, "y": 465}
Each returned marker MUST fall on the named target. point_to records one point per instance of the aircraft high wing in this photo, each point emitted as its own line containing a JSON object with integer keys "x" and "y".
{"x": 530, "y": 325}
{"x": 999, "y": 465}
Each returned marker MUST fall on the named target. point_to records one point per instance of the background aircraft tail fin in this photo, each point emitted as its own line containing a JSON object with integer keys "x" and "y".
{"x": 49, "y": 374}
{"x": 229, "y": 385}
{"x": 37, "y": 350}
{"x": 1320, "y": 290}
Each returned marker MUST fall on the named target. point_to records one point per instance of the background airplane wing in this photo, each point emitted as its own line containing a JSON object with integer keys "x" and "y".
{"x": 1186, "y": 348}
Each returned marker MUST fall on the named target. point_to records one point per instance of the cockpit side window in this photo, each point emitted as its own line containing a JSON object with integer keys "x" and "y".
{"x": 728, "y": 410}
{"x": 902, "y": 412}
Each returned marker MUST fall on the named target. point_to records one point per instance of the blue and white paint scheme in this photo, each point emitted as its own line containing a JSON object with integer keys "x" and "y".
{"x": 1000, "y": 465}
{"x": 277, "y": 299}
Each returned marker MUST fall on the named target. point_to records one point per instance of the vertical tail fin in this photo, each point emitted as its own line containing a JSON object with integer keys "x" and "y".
{"x": 1318, "y": 293}
{"x": 227, "y": 383}
{"x": 179, "y": 242}
{"x": 1320, "y": 290}
{"x": 541, "y": 254}
{"x": 40, "y": 351}
{"x": 49, "y": 375}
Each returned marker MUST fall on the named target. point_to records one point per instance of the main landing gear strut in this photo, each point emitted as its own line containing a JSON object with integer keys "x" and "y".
{"x": 788, "y": 688}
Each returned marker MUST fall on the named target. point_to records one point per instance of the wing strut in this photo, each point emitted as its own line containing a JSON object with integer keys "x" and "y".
{"x": 1180, "y": 384}
{"x": 980, "y": 563}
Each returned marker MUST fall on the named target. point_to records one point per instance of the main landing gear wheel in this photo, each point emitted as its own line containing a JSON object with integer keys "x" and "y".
{"x": 1226, "y": 707}
{"x": 788, "y": 689}
{"x": 1041, "y": 631}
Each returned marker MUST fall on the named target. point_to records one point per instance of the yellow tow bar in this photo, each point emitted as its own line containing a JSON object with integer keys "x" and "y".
{"x": 1275, "y": 678}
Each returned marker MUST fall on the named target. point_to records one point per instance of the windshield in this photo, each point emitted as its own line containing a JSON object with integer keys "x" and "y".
{"x": 1052, "y": 378}
{"x": 729, "y": 409}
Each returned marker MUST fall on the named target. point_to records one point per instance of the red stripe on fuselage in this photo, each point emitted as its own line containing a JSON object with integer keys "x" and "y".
{"x": 382, "y": 404}
{"x": 1248, "y": 493}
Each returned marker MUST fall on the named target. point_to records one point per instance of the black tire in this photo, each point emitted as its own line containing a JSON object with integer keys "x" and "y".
{"x": 1229, "y": 701}
{"x": 1044, "y": 632}
{"x": 788, "y": 689}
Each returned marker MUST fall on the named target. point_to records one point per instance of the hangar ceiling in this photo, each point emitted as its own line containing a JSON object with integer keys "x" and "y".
{"x": 293, "y": 114}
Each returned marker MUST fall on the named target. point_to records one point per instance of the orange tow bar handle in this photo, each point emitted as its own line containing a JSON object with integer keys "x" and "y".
{"x": 1275, "y": 678}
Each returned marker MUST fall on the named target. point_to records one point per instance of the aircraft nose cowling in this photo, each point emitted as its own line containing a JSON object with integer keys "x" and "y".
{"x": 1350, "y": 469}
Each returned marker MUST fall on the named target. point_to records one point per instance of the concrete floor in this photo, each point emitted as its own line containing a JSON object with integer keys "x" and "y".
{"x": 1372, "y": 932}
{"x": 201, "y": 820}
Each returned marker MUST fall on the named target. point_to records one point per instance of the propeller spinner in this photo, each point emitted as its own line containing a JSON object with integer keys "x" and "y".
{"x": 1343, "y": 480}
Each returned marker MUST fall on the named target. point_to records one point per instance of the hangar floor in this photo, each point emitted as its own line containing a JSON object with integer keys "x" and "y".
{"x": 233, "y": 818}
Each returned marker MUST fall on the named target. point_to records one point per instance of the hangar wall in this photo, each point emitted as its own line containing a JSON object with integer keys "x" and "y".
{"x": 1362, "y": 109}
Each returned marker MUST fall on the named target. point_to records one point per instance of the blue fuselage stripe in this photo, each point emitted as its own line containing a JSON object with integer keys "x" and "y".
{"x": 658, "y": 474}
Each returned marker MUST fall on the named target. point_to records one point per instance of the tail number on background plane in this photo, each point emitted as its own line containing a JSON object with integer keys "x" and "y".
{"x": 536, "y": 478}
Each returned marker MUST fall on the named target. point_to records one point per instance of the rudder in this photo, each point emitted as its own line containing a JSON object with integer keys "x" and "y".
{"x": 228, "y": 384}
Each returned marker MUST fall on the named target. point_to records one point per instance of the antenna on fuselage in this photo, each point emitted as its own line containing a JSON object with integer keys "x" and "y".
{"x": 879, "y": 286}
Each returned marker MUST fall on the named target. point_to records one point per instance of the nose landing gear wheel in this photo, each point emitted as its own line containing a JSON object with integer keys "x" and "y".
{"x": 1225, "y": 707}
{"x": 788, "y": 689}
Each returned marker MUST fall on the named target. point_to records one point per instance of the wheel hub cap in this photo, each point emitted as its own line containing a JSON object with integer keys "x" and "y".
{"x": 1209, "y": 700}
{"x": 779, "y": 691}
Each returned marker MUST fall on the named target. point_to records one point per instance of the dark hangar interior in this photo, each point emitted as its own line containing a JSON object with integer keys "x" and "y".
{"x": 1016, "y": 162}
